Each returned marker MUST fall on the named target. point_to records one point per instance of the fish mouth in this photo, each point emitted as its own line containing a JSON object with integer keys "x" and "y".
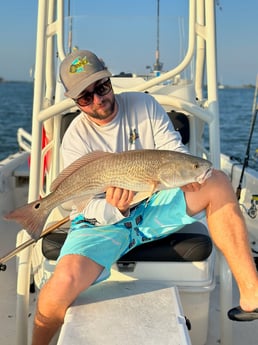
{"x": 203, "y": 177}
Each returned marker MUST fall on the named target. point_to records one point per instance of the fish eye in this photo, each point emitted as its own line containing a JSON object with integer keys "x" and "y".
{"x": 196, "y": 165}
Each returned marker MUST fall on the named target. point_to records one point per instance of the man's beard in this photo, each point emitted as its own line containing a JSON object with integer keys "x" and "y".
{"x": 100, "y": 113}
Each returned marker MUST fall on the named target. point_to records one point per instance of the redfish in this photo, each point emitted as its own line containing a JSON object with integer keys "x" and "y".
{"x": 145, "y": 171}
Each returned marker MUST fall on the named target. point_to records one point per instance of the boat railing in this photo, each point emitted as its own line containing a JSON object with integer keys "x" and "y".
{"x": 24, "y": 139}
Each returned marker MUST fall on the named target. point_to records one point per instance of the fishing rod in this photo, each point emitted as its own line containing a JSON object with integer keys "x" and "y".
{"x": 246, "y": 160}
{"x": 29, "y": 242}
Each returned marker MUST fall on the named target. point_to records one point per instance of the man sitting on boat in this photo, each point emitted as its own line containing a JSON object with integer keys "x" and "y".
{"x": 116, "y": 123}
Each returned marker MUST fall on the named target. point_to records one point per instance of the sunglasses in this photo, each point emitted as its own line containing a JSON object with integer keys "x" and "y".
{"x": 101, "y": 90}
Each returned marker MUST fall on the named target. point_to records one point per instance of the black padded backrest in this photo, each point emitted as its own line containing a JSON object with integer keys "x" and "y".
{"x": 53, "y": 242}
{"x": 66, "y": 121}
{"x": 181, "y": 124}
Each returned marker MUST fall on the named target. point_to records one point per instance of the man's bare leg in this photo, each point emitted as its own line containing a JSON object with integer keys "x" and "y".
{"x": 73, "y": 274}
{"x": 228, "y": 231}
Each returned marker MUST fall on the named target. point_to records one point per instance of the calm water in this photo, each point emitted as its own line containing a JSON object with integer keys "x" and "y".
{"x": 235, "y": 122}
{"x": 15, "y": 112}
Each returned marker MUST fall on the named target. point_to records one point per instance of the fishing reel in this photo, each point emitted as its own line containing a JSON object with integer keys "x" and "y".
{"x": 252, "y": 211}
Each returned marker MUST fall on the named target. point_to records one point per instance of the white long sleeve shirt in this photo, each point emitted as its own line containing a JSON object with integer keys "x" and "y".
{"x": 140, "y": 123}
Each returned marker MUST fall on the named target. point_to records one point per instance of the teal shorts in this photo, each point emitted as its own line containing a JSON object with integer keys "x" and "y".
{"x": 164, "y": 214}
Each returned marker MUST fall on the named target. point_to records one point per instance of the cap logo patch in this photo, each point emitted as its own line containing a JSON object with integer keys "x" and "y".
{"x": 78, "y": 64}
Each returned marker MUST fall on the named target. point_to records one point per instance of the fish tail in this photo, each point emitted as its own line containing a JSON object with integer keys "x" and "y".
{"x": 31, "y": 216}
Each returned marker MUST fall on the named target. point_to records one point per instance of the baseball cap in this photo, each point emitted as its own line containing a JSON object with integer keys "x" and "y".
{"x": 79, "y": 70}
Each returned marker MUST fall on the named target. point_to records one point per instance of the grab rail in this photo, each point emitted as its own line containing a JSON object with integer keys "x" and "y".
{"x": 24, "y": 139}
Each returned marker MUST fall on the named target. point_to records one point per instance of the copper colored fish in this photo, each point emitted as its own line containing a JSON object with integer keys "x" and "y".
{"x": 139, "y": 170}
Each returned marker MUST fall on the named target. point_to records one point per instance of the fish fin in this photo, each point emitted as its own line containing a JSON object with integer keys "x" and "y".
{"x": 154, "y": 189}
{"x": 68, "y": 205}
{"x": 167, "y": 180}
{"x": 80, "y": 203}
{"x": 31, "y": 216}
{"x": 86, "y": 159}
{"x": 140, "y": 196}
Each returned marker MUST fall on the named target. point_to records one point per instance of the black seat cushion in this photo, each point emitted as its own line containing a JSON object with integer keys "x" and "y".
{"x": 181, "y": 124}
{"x": 175, "y": 247}
{"x": 52, "y": 243}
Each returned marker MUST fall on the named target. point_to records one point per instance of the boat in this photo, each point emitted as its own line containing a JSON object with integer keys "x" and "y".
{"x": 168, "y": 300}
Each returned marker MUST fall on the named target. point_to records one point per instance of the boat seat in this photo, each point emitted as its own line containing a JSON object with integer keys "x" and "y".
{"x": 181, "y": 124}
{"x": 191, "y": 243}
{"x": 66, "y": 121}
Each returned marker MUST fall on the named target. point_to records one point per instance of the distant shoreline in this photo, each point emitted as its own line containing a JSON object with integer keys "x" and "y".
{"x": 3, "y": 81}
{"x": 245, "y": 86}
{"x": 248, "y": 86}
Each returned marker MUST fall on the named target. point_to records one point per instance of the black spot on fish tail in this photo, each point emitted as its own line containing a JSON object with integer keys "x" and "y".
{"x": 37, "y": 206}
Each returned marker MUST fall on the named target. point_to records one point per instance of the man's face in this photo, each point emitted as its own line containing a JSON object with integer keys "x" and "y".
{"x": 98, "y": 101}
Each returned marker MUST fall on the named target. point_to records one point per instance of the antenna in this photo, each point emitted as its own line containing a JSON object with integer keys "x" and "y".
{"x": 158, "y": 65}
{"x": 70, "y": 39}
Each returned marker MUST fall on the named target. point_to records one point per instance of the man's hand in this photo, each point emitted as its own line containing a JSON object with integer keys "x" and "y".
{"x": 120, "y": 198}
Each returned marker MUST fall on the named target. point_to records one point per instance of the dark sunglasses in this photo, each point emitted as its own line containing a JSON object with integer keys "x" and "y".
{"x": 101, "y": 90}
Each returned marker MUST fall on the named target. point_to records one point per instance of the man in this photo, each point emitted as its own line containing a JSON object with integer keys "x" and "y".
{"x": 123, "y": 122}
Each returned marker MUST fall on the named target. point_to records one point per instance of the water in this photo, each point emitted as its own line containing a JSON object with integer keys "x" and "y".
{"x": 235, "y": 123}
{"x": 15, "y": 112}
{"x": 235, "y": 119}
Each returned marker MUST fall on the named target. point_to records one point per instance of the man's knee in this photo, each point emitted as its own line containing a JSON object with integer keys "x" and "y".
{"x": 76, "y": 272}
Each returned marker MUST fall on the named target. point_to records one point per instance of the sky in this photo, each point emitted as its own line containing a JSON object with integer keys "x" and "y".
{"x": 127, "y": 40}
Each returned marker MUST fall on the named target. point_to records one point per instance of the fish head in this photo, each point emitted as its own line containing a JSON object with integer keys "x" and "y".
{"x": 186, "y": 169}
